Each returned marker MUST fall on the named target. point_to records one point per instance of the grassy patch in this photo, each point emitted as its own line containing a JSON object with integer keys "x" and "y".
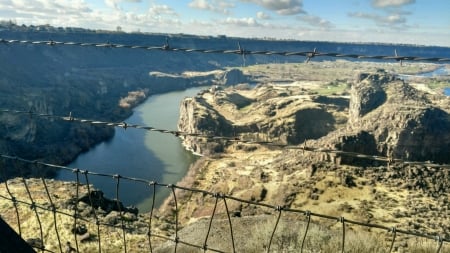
{"x": 438, "y": 84}
{"x": 333, "y": 88}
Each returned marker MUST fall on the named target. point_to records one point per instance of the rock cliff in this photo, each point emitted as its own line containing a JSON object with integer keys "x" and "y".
{"x": 265, "y": 113}
{"x": 382, "y": 116}
{"x": 390, "y": 118}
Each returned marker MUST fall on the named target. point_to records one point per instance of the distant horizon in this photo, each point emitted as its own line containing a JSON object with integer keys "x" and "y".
{"x": 5, "y": 22}
{"x": 409, "y": 22}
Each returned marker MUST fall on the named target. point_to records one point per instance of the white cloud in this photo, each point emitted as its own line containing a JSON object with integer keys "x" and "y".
{"x": 218, "y": 6}
{"x": 281, "y": 7}
{"x": 315, "y": 21}
{"x": 389, "y": 23}
{"x": 391, "y": 3}
{"x": 114, "y": 4}
{"x": 262, "y": 15}
{"x": 392, "y": 20}
{"x": 159, "y": 10}
{"x": 248, "y": 22}
{"x": 45, "y": 8}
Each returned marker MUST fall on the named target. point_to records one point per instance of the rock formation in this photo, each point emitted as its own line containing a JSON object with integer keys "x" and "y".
{"x": 265, "y": 113}
{"x": 386, "y": 117}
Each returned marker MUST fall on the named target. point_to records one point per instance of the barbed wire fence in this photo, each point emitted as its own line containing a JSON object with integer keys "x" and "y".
{"x": 212, "y": 137}
{"x": 77, "y": 218}
{"x": 239, "y": 51}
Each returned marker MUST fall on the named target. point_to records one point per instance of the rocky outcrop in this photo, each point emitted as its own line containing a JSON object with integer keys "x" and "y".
{"x": 265, "y": 113}
{"x": 193, "y": 79}
{"x": 96, "y": 200}
{"x": 195, "y": 118}
{"x": 386, "y": 117}
{"x": 390, "y": 118}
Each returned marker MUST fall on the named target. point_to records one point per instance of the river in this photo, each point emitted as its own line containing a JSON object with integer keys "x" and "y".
{"x": 139, "y": 153}
{"x": 441, "y": 71}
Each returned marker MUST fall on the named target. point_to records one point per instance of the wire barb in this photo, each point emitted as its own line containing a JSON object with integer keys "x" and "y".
{"x": 166, "y": 45}
{"x": 310, "y": 55}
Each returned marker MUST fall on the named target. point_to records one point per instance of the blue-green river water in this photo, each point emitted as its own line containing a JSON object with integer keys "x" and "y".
{"x": 139, "y": 153}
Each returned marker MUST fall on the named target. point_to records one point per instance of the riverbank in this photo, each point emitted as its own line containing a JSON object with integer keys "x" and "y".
{"x": 150, "y": 155}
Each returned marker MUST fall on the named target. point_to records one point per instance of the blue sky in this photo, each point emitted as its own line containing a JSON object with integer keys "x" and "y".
{"x": 424, "y": 22}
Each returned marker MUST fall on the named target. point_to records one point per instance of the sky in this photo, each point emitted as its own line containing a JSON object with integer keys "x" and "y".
{"x": 422, "y": 22}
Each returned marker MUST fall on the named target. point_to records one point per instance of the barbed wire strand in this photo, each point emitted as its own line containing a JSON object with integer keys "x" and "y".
{"x": 149, "y": 234}
{"x": 94, "y": 211}
{"x": 308, "y": 217}
{"x": 118, "y": 177}
{"x": 239, "y": 51}
{"x": 53, "y": 207}
{"x": 14, "y": 201}
{"x": 279, "y": 210}
{"x": 33, "y": 207}
{"x": 236, "y": 139}
{"x": 75, "y": 210}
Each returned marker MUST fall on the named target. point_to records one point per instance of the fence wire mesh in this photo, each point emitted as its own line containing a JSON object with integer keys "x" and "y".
{"x": 176, "y": 239}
